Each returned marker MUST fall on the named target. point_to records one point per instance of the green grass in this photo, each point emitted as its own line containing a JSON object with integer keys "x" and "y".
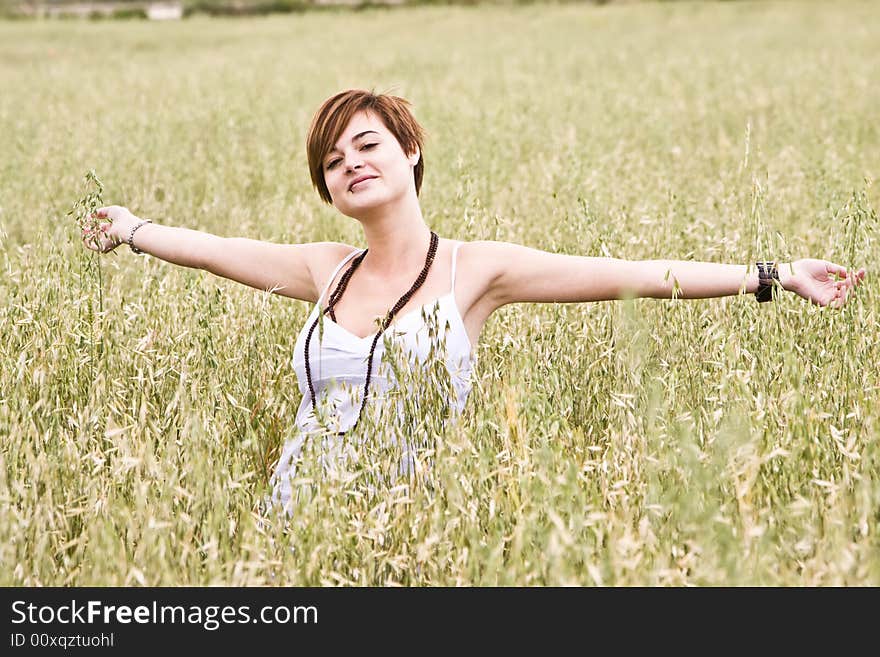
{"x": 646, "y": 442}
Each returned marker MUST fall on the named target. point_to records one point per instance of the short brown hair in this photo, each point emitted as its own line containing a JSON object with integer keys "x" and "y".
{"x": 336, "y": 112}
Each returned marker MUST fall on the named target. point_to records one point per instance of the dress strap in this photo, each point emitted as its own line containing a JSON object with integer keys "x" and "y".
{"x": 336, "y": 271}
{"x": 454, "y": 257}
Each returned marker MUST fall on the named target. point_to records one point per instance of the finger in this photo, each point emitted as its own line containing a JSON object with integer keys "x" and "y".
{"x": 832, "y": 268}
{"x": 101, "y": 212}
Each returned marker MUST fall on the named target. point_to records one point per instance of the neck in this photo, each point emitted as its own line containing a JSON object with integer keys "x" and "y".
{"x": 398, "y": 239}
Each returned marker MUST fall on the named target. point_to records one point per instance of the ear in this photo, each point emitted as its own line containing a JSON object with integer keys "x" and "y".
{"x": 414, "y": 157}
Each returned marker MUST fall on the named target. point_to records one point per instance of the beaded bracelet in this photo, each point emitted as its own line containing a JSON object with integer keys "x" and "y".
{"x": 131, "y": 235}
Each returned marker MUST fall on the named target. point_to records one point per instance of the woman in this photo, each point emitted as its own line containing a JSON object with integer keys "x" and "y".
{"x": 365, "y": 158}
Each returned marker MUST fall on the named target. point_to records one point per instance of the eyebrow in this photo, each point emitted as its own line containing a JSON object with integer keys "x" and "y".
{"x": 353, "y": 139}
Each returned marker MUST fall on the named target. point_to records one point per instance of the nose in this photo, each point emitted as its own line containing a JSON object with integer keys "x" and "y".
{"x": 353, "y": 162}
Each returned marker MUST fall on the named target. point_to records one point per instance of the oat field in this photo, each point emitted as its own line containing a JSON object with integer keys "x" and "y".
{"x": 636, "y": 442}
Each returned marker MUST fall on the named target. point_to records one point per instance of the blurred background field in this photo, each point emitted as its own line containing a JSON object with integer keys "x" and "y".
{"x": 176, "y": 9}
{"x": 707, "y": 442}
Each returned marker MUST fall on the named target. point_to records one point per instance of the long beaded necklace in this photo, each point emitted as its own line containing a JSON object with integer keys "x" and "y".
{"x": 337, "y": 295}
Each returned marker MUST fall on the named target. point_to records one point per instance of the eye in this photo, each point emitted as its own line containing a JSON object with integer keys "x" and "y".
{"x": 332, "y": 164}
{"x": 366, "y": 146}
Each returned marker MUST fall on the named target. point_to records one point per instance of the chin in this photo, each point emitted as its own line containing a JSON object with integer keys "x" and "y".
{"x": 357, "y": 207}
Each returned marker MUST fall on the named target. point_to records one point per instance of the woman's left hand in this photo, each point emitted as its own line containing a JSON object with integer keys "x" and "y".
{"x": 812, "y": 280}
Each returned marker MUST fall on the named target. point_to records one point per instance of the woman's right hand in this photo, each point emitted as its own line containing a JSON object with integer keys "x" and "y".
{"x": 112, "y": 233}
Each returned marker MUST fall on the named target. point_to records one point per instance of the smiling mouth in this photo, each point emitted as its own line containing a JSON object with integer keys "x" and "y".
{"x": 351, "y": 189}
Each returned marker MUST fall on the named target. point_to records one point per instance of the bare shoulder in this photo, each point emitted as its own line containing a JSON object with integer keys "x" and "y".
{"x": 479, "y": 267}
{"x": 322, "y": 258}
{"x": 482, "y": 262}
{"x": 478, "y": 249}
{"x": 512, "y": 273}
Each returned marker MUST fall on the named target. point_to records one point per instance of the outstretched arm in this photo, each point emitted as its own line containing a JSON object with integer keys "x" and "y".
{"x": 283, "y": 269}
{"x": 523, "y": 274}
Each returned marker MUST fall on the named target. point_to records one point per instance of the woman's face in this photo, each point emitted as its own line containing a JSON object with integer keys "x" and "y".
{"x": 367, "y": 151}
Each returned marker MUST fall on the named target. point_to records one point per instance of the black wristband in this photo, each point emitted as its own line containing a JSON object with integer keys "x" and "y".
{"x": 767, "y": 271}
